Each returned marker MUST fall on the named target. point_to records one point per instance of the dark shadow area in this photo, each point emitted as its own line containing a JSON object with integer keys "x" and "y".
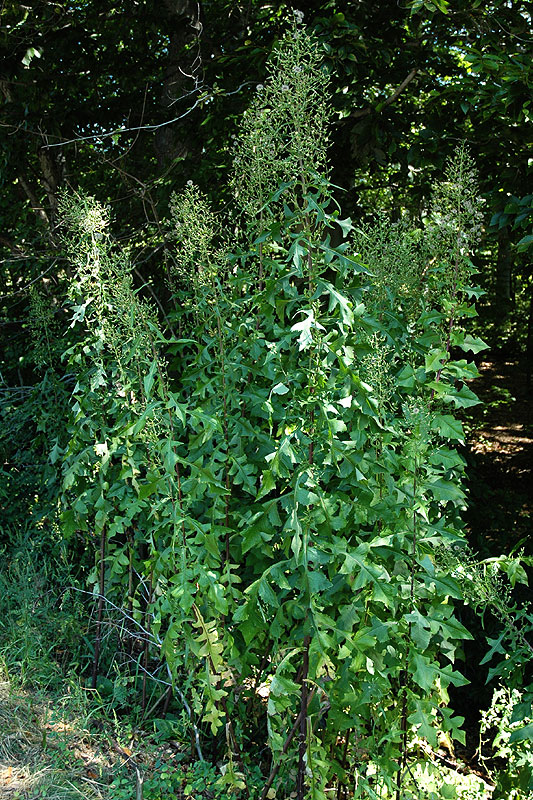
{"x": 499, "y": 454}
{"x": 500, "y": 461}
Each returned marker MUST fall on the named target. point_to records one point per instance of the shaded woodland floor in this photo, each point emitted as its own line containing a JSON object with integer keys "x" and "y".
{"x": 45, "y": 754}
{"x": 500, "y": 460}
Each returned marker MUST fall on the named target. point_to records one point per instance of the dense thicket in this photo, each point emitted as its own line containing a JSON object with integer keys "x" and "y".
{"x": 232, "y": 409}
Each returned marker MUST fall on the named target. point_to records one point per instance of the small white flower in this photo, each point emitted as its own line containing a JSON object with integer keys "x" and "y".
{"x": 296, "y": 69}
{"x": 284, "y": 88}
{"x": 260, "y": 87}
{"x": 189, "y": 183}
{"x": 298, "y": 15}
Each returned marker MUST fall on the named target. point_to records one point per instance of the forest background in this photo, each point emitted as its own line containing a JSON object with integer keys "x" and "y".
{"x": 129, "y": 105}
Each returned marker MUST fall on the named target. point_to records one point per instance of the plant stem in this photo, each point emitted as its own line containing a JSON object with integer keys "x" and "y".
{"x": 226, "y": 437}
{"x": 98, "y": 637}
{"x": 275, "y": 769}
{"x": 402, "y": 761}
{"x": 341, "y": 787}
{"x": 129, "y": 645}
{"x": 164, "y": 389}
{"x": 300, "y": 780}
{"x": 146, "y": 641}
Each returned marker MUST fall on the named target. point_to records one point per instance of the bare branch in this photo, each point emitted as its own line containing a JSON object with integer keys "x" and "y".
{"x": 364, "y": 112}
{"x": 116, "y": 131}
{"x": 154, "y": 639}
{"x": 32, "y": 197}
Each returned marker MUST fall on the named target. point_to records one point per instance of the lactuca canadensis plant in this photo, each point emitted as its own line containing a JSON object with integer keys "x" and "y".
{"x": 268, "y": 493}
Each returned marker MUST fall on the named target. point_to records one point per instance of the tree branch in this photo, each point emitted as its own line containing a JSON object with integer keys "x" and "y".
{"x": 32, "y": 197}
{"x": 364, "y": 112}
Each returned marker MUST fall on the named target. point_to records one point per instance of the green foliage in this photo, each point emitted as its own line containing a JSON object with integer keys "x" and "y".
{"x": 164, "y": 780}
{"x": 39, "y": 616}
{"x": 506, "y": 729}
{"x": 283, "y": 135}
{"x": 260, "y": 490}
{"x": 264, "y": 497}
{"x": 32, "y": 426}
{"x": 508, "y": 732}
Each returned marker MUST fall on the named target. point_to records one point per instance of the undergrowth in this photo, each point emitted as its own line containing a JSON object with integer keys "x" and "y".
{"x": 59, "y": 738}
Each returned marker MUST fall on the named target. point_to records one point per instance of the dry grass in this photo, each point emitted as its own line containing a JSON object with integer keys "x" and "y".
{"x": 44, "y": 755}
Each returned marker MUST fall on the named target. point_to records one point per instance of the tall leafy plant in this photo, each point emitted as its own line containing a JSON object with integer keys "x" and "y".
{"x": 265, "y": 494}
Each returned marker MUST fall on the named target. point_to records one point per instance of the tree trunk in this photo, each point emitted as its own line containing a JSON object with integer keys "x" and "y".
{"x": 529, "y": 341}
{"x": 182, "y": 72}
{"x": 504, "y": 272}
{"x": 36, "y": 206}
{"x": 52, "y": 174}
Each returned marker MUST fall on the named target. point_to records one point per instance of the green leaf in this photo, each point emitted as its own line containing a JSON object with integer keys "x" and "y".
{"x": 525, "y": 243}
{"x": 55, "y": 453}
{"x": 522, "y": 734}
{"x": 472, "y": 343}
{"x": 446, "y": 458}
{"x": 366, "y": 572}
{"x": 448, "y": 427}
{"x": 179, "y": 408}
{"x": 435, "y": 360}
{"x": 406, "y": 377}
{"x": 70, "y": 523}
{"x": 148, "y": 380}
{"x": 31, "y": 53}
{"x": 446, "y": 490}
{"x": 336, "y": 299}
{"x": 318, "y": 582}
{"x": 251, "y": 539}
{"x": 266, "y": 593}
{"x": 427, "y": 671}
{"x": 420, "y": 629}
{"x": 464, "y": 398}
{"x": 426, "y": 728}
{"x": 220, "y": 601}
{"x": 305, "y": 328}
{"x": 521, "y": 711}
{"x": 297, "y": 253}
{"x": 282, "y": 686}
{"x": 345, "y": 225}
{"x": 448, "y": 791}
{"x": 267, "y": 484}
{"x": 424, "y": 673}
{"x": 146, "y": 489}
{"x": 171, "y": 458}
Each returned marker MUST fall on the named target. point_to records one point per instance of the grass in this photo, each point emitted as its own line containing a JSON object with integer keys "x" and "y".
{"x": 44, "y": 754}
{"x": 58, "y": 739}
{"x": 58, "y": 748}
